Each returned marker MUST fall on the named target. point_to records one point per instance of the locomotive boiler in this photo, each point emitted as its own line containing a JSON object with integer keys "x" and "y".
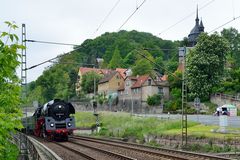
{"x": 52, "y": 120}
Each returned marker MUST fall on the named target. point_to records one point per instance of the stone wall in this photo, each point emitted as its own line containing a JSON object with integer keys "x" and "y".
{"x": 221, "y": 99}
{"x": 175, "y": 141}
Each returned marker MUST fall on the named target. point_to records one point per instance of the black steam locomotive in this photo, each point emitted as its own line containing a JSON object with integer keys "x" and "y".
{"x": 52, "y": 120}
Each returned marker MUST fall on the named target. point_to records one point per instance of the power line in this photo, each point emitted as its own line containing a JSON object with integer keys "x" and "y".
{"x": 131, "y": 15}
{"x": 186, "y": 17}
{"x": 50, "y": 60}
{"x": 106, "y": 17}
{"x": 144, "y": 56}
{"x": 47, "y": 42}
{"x": 224, "y": 24}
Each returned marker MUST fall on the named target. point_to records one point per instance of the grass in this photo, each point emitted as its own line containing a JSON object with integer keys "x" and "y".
{"x": 118, "y": 124}
{"x": 123, "y": 125}
{"x": 203, "y": 131}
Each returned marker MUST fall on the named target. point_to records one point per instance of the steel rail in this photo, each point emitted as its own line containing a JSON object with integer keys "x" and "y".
{"x": 75, "y": 151}
{"x": 120, "y": 156}
{"x": 165, "y": 155}
{"x": 170, "y": 151}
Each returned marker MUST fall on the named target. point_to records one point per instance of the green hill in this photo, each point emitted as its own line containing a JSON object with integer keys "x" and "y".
{"x": 58, "y": 81}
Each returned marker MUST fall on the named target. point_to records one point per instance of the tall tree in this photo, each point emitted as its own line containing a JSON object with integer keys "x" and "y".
{"x": 116, "y": 61}
{"x": 233, "y": 38}
{"x": 143, "y": 64}
{"x": 88, "y": 80}
{"x": 9, "y": 89}
{"x": 205, "y": 64}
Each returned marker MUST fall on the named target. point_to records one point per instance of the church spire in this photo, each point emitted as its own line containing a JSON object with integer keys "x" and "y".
{"x": 201, "y": 27}
{"x": 197, "y": 29}
{"x": 197, "y": 20}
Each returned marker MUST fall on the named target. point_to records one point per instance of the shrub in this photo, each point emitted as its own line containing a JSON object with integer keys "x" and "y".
{"x": 154, "y": 100}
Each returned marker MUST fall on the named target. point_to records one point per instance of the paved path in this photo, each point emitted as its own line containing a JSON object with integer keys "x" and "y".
{"x": 204, "y": 119}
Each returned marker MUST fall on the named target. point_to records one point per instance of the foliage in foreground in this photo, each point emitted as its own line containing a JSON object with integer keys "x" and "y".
{"x": 10, "y": 90}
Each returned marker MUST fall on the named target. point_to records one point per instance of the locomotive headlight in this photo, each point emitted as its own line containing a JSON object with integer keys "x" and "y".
{"x": 51, "y": 124}
{"x": 69, "y": 124}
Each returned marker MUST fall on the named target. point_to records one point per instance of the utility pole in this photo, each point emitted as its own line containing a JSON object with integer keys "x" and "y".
{"x": 94, "y": 85}
{"x": 23, "y": 139}
{"x": 182, "y": 53}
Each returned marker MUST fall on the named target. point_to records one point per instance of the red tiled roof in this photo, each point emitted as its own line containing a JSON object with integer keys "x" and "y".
{"x": 84, "y": 70}
{"x": 122, "y": 72}
{"x": 164, "y": 77}
{"x": 140, "y": 81}
{"x": 105, "y": 71}
{"x": 107, "y": 77}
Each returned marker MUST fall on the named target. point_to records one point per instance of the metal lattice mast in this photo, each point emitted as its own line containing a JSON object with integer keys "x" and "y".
{"x": 24, "y": 64}
{"x": 184, "y": 100}
{"x": 23, "y": 140}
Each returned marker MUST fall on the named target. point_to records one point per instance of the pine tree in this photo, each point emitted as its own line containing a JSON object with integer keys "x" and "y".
{"x": 116, "y": 61}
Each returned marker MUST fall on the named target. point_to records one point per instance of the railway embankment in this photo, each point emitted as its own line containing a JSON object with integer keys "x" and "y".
{"x": 162, "y": 132}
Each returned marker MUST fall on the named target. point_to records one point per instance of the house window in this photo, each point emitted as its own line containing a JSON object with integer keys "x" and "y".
{"x": 118, "y": 83}
{"x": 149, "y": 82}
{"x": 134, "y": 90}
{"x": 160, "y": 90}
{"x": 117, "y": 77}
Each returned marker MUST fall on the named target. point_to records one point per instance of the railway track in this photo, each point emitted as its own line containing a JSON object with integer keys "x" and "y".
{"x": 96, "y": 153}
{"x": 142, "y": 149}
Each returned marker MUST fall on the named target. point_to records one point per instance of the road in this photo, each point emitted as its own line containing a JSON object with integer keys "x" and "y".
{"x": 204, "y": 119}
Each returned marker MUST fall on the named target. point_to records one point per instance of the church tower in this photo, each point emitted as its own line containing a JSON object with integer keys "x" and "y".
{"x": 197, "y": 29}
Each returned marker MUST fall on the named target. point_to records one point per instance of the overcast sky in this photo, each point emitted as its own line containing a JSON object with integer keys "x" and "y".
{"x": 73, "y": 21}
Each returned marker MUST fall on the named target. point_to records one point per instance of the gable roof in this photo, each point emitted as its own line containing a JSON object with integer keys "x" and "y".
{"x": 140, "y": 81}
{"x": 107, "y": 77}
{"x": 122, "y": 72}
{"x": 84, "y": 70}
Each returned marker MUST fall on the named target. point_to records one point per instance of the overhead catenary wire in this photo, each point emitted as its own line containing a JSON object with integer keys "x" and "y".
{"x": 47, "y": 42}
{"x": 106, "y": 17}
{"x": 50, "y": 60}
{"x": 234, "y": 18}
{"x": 144, "y": 56}
{"x": 186, "y": 17}
{"x": 131, "y": 15}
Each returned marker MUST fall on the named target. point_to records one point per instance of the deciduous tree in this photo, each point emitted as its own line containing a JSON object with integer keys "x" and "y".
{"x": 87, "y": 83}
{"x": 9, "y": 88}
{"x": 205, "y": 64}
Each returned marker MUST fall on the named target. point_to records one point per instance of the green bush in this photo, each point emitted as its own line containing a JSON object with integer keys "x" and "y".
{"x": 154, "y": 100}
{"x": 211, "y": 107}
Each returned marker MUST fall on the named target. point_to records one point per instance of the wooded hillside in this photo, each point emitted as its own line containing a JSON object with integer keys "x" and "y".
{"x": 117, "y": 49}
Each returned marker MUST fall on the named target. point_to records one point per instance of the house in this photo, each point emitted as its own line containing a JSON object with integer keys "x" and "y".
{"x": 110, "y": 83}
{"x": 135, "y": 91}
{"x": 84, "y": 70}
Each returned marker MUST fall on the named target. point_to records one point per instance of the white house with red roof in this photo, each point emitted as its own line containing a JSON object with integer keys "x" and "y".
{"x": 135, "y": 91}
